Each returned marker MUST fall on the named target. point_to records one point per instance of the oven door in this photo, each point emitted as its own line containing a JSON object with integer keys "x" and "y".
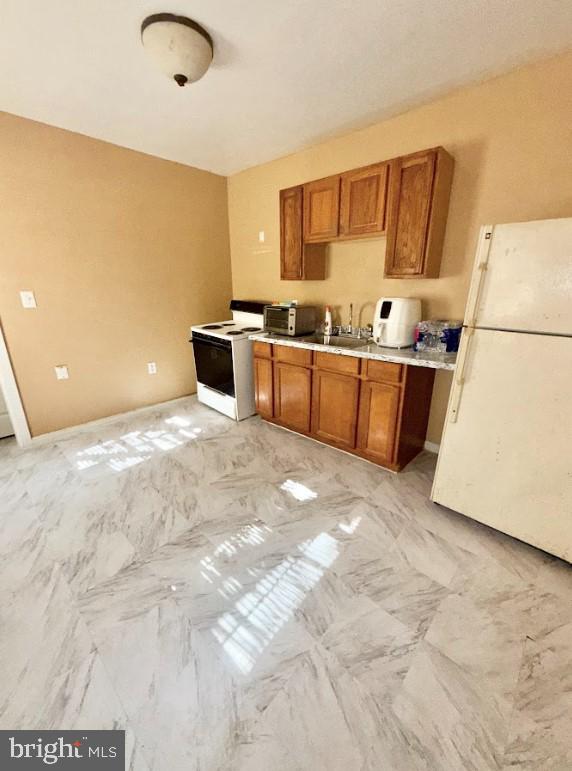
{"x": 213, "y": 362}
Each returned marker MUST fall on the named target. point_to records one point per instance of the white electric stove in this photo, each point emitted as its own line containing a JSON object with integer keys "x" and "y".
{"x": 223, "y": 360}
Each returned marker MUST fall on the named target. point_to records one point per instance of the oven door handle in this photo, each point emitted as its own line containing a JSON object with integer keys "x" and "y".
{"x": 223, "y": 345}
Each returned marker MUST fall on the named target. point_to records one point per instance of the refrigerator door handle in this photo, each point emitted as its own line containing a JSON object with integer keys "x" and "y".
{"x": 480, "y": 267}
{"x": 460, "y": 374}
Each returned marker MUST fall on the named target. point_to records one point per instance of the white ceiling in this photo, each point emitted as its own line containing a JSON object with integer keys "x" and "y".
{"x": 286, "y": 73}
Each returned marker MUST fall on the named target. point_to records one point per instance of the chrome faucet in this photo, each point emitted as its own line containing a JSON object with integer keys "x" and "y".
{"x": 365, "y": 332}
{"x": 361, "y": 333}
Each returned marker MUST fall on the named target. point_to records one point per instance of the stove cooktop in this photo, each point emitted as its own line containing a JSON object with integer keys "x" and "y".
{"x": 236, "y": 329}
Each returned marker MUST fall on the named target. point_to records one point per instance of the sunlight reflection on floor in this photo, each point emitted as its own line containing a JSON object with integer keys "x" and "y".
{"x": 259, "y": 615}
{"x": 136, "y": 446}
{"x": 298, "y": 490}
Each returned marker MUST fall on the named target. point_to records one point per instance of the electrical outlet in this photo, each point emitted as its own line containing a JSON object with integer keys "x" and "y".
{"x": 28, "y": 299}
{"x": 152, "y": 368}
{"x": 61, "y": 372}
{"x": 261, "y": 237}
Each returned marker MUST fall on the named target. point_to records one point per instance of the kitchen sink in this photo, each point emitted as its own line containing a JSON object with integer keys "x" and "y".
{"x": 336, "y": 342}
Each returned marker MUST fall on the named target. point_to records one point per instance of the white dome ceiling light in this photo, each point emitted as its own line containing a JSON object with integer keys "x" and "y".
{"x": 180, "y": 47}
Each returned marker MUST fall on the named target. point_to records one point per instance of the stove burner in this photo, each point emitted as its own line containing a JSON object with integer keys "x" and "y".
{"x": 252, "y": 329}
{"x": 212, "y": 326}
{"x": 228, "y": 324}
{"x": 234, "y": 332}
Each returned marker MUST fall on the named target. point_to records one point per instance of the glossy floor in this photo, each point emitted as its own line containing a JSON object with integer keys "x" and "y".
{"x": 237, "y": 597}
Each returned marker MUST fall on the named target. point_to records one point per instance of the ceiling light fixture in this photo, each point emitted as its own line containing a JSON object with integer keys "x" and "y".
{"x": 180, "y": 47}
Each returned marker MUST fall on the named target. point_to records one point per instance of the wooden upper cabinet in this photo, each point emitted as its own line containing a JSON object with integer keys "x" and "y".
{"x": 406, "y": 198}
{"x": 419, "y": 189}
{"x": 362, "y": 201}
{"x": 291, "y": 233}
{"x": 297, "y": 261}
{"x": 321, "y": 209}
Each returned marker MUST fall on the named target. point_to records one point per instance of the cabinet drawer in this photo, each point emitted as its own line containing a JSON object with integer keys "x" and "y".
{"x": 262, "y": 350}
{"x": 335, "y": 362}
{"x": 383, "y": 371}
{"x": 299, "y": 356}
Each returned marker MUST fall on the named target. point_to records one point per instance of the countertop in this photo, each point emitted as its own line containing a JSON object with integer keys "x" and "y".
{"x": 367, "y": 351}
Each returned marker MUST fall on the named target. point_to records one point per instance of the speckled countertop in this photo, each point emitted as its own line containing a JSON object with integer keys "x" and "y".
{"x": 367, "y": 351}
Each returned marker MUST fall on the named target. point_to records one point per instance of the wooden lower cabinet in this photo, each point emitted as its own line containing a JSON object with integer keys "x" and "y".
{"x": 378, "y": 416}
{"x": 264, "y": 389}
{"x": 292, "y": 395}
{"x": 377, "y": 410}
{"x": 335, "y": 400}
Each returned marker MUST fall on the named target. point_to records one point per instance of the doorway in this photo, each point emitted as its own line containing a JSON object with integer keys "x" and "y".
{"x": 5, "y": 422}
{"x": 12, "y": 416}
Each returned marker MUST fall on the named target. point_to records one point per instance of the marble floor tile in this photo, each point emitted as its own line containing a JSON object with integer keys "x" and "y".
{"x": 286, "y": 738}
{"x": 51, "y": 673}
{"x": 375, "y": 648}
{"x": 541, "y": 723}
{"x": 440, "y": 560}
{"x": 240, "y": 598}
{"x": 495, "y": 655}
{"x": 22, "y": 533}
{"x": 451, "y": 714}
{"x": 389, "y": 581}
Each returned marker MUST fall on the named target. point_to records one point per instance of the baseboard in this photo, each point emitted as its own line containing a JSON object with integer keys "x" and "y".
{"x": 62, "y": 433}
{"x": 432, "y": 447}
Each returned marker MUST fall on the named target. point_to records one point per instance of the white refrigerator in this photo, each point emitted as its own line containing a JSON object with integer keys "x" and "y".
{"x": 506, "y": 453}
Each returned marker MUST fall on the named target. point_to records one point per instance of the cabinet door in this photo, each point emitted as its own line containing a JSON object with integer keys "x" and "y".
{"x": 362, "y": 201}
{"x": 263, "y": 389}
{"x": 335, "y": 407}
{"x": 411, "y": 187}
{"x": 377, "y": 425}
{"x": 321, "y": 209}
{"x": 291, "y": 233}
{"x": 292, "y": 395}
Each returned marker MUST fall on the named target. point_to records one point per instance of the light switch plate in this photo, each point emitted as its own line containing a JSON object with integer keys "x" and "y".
{"x": 152, "y": 368}
{"x": 261, "y": 237}
{"x": 28, "y": 299}
{"x": 61, "y": 372}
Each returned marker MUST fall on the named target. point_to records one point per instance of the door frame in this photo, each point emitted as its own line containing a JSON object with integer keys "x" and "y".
{"x": 11, "y": 396}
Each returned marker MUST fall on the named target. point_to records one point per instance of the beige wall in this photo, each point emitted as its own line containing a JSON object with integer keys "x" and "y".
{"x": 512, "y": 142}
{"x": 124, "y": 251}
